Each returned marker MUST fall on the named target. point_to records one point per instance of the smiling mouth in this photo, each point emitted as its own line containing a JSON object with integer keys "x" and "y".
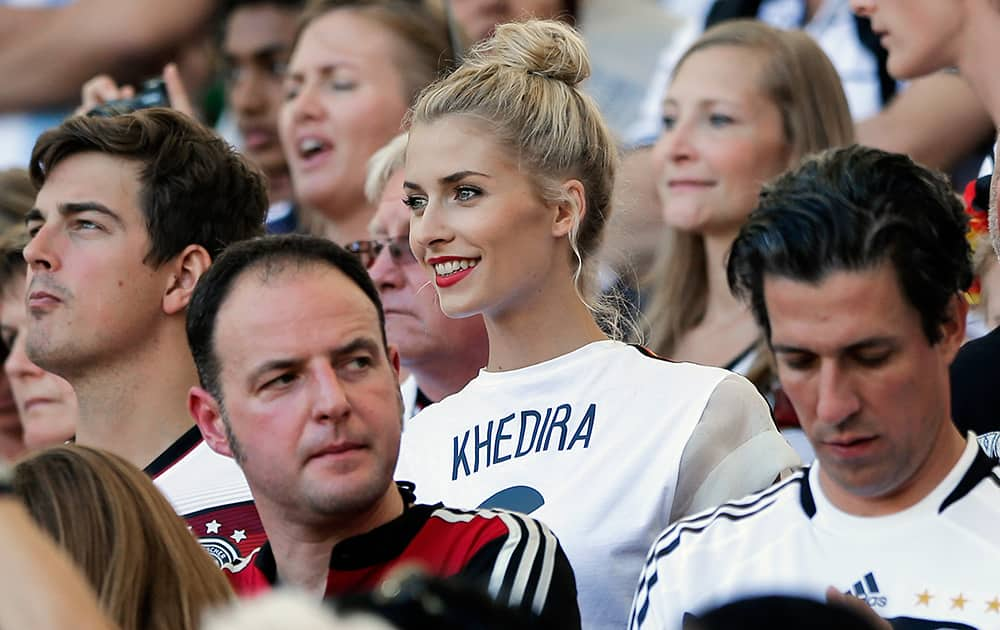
{"x": 451, "y": 267}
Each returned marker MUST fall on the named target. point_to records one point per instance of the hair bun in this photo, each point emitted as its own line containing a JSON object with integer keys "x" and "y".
{"x": 547, "y": 48}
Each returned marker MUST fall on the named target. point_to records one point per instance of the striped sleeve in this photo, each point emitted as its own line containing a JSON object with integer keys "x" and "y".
{"x": 526, "y": 569}
{"x": 658, "y": 602}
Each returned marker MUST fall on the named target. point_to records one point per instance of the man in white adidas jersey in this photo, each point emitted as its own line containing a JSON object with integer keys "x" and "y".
{"x": 854, "y": 264}
{"x": 130, "y": 211}
{"x": 311, "y": 410}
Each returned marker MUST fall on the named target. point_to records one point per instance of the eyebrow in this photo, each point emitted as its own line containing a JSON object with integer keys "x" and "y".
{"x": 357, "y": 344}
{"x": 864, "y": 344}
{"x": 703, "y": 102}
{"x": 450, "y": 179}
{"x": 70, "y": 209}
{"x": 258, "y": 54}
{"x": 324, "y": 71}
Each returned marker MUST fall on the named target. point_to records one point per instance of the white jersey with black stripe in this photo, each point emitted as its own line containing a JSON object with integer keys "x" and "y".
{"x": 933, "y": 565}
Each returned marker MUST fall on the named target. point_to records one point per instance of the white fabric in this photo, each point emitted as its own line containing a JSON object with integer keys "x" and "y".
{"x": 409, "y": 390}
{"x": 592, "y": 444}
{"x": 203, "y": 479}
{"x": 923, "y": 562}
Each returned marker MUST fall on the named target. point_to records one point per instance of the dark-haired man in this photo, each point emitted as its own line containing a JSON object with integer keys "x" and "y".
{"x": 926, "y": 35}
{"x": 129, "y": 213}
{"x": 257, "y": 37}
{"x": 312, "y": 411}
{"x": 854, "y": 265}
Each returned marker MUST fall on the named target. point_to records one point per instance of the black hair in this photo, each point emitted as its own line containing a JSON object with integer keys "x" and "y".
{"x": 225, "y": 8}
{"x": 194, "y": 187}
{"x": 778, "y": 612}
{"x": 272, "y": 255}
{"x": 851, "y": 209}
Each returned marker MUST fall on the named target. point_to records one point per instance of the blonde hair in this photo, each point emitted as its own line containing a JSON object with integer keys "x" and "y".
{"x": 424, "y": 51}
{"x": 147, "y": 569}
{"x": 524, "y": 82}
{"x": 382, "y": 165}
{"x": 805, "y": 87}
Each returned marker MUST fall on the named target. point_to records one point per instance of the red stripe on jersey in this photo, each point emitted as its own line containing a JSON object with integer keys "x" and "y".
{"x": 441, "y": 548}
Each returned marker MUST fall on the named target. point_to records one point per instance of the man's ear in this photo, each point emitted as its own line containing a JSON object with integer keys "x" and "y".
{"x": 571, "y": 210}
{"x": 205, "y": 410}
{"x": 186, "y": 268}
{"x": 393, "y": 355}
{"x": 953, "y": 330}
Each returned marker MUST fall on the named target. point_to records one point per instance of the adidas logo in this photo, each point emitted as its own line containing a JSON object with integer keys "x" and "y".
{"x": 867, "y": 589}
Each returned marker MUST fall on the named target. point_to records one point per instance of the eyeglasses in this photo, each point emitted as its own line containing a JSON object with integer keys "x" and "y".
{"x": 368, "y": 251}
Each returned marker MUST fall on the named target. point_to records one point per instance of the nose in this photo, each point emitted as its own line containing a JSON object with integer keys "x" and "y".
{"x": 246, "y": 93}
{"x": 863, "y": 8}
{"x": 676, "y": 143}
{"x": 836, "y": 398}
{"x": 306, "y": 105}
{"x": 329, "y": 397}
{"x": 385, "y": 272}
{"x": 429, "y": 229}
{"x": 18, "y": 366}
{"x": 40, "y": 252}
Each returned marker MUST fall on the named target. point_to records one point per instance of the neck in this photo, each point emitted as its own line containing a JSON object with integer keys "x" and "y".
{"x": 946, "y": 451}
{"x": 137, "y": 407}
{"x": 302, "y": 546}
{"x": 440, "y": 378}
{"x": 977, "y": 50}
{"x": 548, "y": 324}
{"x": 279, "y": 186}
{"x": 812, "y": 7}
{"x": 347, "y": 225}
{"x": 720, "y": 305}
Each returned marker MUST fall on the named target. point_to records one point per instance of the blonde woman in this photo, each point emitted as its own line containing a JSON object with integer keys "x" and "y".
{"x": 148, "y": 571}
{"x": 746, "y": 102}
{"x": 355, "y": 69}
{"x": 509, "y": 172}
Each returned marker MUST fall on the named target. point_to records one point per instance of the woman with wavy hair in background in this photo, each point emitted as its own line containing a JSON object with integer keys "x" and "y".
{"x": 509, "y": 172}
{"x": 147, "y": 569}
{"x": 356, "y": 67}
{"x": 746, "y": 102}
{"x": 17, "y": 195}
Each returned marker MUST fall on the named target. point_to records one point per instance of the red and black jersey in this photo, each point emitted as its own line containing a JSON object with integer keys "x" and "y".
{"x": 514, "y": 558}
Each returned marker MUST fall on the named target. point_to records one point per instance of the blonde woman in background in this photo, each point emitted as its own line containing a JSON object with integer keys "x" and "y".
{"x": 356, "y": 67}
{"x": 509, "y": 172}
{"x": 746, "y": 102}
{"x": 46, "y": 402}
{"x": 17, "y": 195}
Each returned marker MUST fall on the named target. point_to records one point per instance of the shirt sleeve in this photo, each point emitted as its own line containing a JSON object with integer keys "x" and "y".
{"x": 527, "y": 569}
{"x": 734, "y": 450}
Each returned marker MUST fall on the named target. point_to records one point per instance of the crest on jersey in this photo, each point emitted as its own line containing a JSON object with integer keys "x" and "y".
{"x": 226, "y": 555}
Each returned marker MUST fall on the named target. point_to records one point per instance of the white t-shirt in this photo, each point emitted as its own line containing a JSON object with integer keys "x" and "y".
{"x": 938, "y": 560}
{"x": 606, "y": 445}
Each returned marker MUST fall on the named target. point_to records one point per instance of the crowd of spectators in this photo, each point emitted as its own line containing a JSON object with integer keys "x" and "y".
{"x": 499, "y": 313}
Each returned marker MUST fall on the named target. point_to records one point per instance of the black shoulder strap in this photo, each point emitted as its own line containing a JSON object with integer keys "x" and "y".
{"x": 724, "y": 10}
{"x": 887, "y": 84}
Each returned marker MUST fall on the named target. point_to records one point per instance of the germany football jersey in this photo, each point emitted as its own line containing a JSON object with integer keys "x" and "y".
{"x": 209, "y": 491}
{"x": 935, "y": 564}
{"x": 514, "y": 558}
